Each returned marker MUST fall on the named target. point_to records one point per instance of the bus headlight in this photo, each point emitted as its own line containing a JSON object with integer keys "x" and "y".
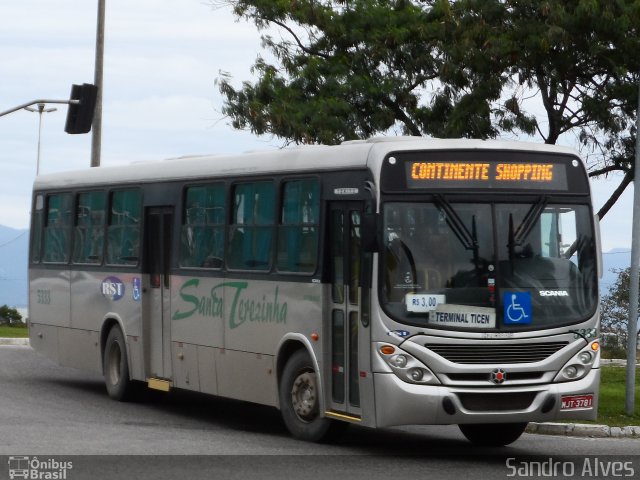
{"x": 585, "y": 357}
{"x": 407, "y": 367}
{"x": 572, "y": 372}
{"x": 417, "y": 374}
{"x": 399, "y": 361}
{"x": 580, "y": 364}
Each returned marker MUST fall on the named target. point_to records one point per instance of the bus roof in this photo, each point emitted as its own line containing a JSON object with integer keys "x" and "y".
{"x": 349, "y": 155}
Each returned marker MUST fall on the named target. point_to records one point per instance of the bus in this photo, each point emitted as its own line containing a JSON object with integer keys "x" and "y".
{"x": 383, "y": 282}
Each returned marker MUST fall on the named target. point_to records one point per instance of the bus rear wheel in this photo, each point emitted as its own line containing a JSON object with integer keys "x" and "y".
{"x": 116, "y": 367}
{"x": 300, "y": 402}
{"x": 495, "y": 435}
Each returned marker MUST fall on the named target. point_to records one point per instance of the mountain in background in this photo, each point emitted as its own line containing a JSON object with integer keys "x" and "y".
{"x": 14, "y": 247}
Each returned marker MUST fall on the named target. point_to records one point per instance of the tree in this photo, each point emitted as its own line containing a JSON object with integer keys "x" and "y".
{"x": 614, "y": 308}
{"x": 9, "y": 316}
{"x": 352, "y": 69}
{"x": 347, "y": 69}
{"x": 575, "y": 54}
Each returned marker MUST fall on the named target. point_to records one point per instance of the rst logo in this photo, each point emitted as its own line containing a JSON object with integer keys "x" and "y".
{"x": 113, "y": 288}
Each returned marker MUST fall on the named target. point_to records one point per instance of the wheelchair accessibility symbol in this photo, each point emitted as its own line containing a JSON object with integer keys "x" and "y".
{"x": 517, "y": 308}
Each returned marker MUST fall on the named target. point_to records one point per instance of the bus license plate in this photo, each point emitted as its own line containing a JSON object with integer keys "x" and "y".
{"x": 577, "y": 402}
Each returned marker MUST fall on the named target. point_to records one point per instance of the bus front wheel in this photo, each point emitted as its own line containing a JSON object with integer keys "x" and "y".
{"x": 300, "y": 402}
{"x": 495, "y": 435}
{"x": 116, "y": 366}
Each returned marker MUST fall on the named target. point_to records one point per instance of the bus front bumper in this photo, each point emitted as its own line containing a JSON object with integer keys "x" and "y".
{"x": 401, "y": 403}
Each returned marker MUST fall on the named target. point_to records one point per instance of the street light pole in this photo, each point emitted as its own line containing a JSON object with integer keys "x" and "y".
{"x": 634, "y": 288}
{"x": 40, "y": 111}
{"x": 96, "y": 135}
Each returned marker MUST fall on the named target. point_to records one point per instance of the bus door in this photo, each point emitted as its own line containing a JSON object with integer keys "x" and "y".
{"x": 345, "y": 310}
{"x": 158, "y": 234}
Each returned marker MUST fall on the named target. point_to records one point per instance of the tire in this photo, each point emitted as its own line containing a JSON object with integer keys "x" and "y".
{"x": 115, "y": 367}
{"x": 300, "y": 402}
{"x": 494, "y": 435}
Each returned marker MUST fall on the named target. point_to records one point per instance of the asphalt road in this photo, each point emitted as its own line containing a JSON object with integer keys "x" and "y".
{"x": 59, "y": 414}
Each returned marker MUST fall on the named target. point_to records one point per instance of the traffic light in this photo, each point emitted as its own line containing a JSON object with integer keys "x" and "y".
{"x": 80, "y": 115}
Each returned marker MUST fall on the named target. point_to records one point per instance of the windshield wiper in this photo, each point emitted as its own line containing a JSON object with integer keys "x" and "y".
{"x": 518, "y": 236}
{"x": 468, "y": 239}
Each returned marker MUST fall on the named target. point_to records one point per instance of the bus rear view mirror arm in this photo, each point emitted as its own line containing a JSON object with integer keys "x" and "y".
{"x": 370, "y": 232}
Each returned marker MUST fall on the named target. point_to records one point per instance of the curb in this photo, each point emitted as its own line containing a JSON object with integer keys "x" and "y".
{"x": 615, "y": 362}
{"x": 583, "y": 430}
{"x": 14, "y": 341}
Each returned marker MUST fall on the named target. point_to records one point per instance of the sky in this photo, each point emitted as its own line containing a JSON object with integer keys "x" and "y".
{"x": 160, "y": 100}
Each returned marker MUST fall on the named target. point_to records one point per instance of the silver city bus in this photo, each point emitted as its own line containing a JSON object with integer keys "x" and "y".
{"x": 385, "y": 282}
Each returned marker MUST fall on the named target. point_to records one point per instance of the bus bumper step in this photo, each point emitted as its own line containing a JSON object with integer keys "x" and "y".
{"x": 159, "y": 384}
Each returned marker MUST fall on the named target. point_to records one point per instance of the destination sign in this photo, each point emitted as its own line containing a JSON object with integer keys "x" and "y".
{"x": 463, "y": 316}
{"x": 488, "y": 174}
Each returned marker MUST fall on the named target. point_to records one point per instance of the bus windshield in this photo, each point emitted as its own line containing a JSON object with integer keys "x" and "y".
{"x": 506, "y": 266}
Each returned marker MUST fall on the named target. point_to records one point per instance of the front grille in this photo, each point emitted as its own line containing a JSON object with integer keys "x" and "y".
{"x": 496, "y": 402}
{"x": 479, "y": 377}
{"x": 496, "y": 353}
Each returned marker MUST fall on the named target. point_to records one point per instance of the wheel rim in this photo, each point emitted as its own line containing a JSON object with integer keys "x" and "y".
{"x": 304, "y": 398}
{"x": 113, "y": 363}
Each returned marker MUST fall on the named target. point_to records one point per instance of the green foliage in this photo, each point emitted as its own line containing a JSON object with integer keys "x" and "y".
{"x": 10, "y": 316}
{"x": 613, "y": 351}
{"x": 611, "y": 408}
{"x": 352, "y": 69}
{"x": 14, "y": 331}
{"x": 614, "y": 311}
{"x": 347, "y": 69}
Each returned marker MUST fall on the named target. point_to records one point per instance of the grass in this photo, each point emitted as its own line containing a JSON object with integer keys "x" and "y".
{"x": 13, "y": 332}
{"x": 611, "y": 409}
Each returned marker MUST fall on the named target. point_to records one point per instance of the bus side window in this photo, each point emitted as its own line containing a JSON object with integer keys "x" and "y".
{"x": 36, "y": 229}
{"x": 123, "y": 232}
{"x": 298, "y": 228}
{"x": 202, "y": 236}
{"x": 251, "y": 229}
{"x": 57, "y": 230}
{"x": 89, "y": 229}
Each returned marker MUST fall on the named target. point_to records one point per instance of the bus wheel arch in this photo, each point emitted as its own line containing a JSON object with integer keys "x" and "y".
{"x": 299, "y": 394}
{"x": 115, "y": 361}
{"x": 286, "y": 350}
{"x": 108, "y": 324}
